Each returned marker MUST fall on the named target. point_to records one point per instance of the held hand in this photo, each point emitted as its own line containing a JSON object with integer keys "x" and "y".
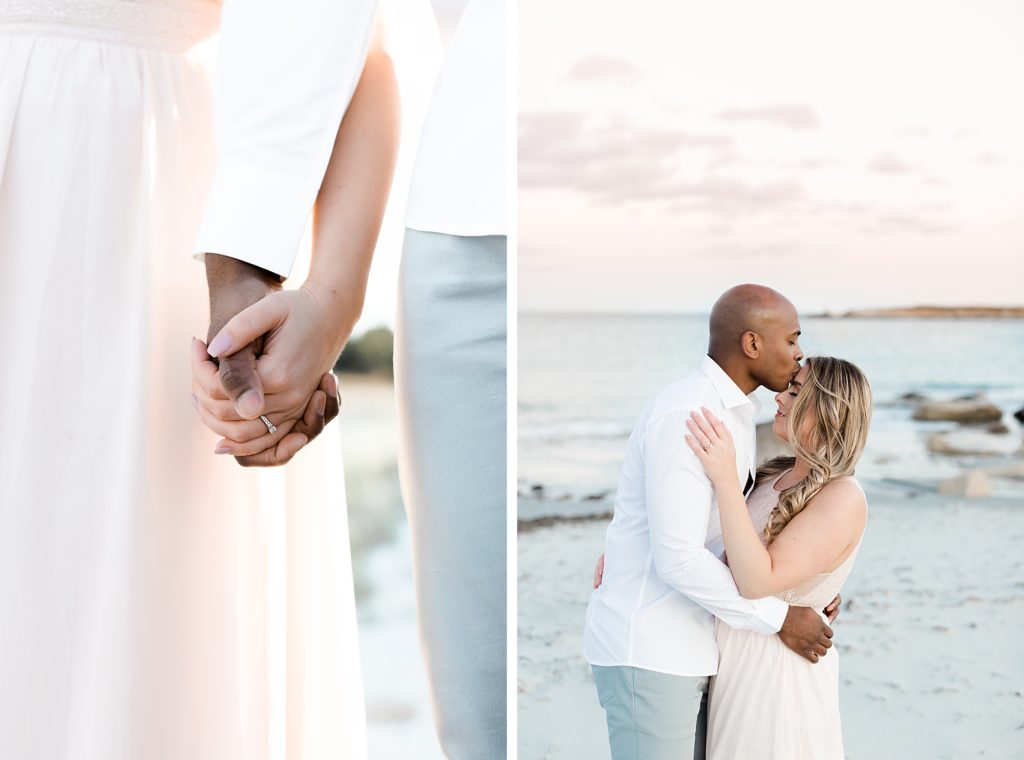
{"x": 234, "y": 390}
{"x": 235, "y": 285}
{"x": 832, "y": 611}
{"x": 712, "y": 442}
{"x": 599, "y": 571}
{"x": 304, "y": 331}
{"x": 806, "y": 633}
{"x": 323, "y": 407}
{"x": 255, "y": 446}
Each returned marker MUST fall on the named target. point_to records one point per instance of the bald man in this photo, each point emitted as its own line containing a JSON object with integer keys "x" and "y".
{"x": 650, "y": 630}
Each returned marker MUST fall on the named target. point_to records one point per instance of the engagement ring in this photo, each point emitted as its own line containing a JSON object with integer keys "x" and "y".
{"x": 271, "y": 427}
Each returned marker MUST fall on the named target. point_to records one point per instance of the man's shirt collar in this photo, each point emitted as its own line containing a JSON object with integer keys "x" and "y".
{"x": 730, "y": 393}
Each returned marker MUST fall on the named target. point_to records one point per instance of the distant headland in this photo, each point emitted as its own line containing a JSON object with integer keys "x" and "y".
{"x": 932, "y": 312}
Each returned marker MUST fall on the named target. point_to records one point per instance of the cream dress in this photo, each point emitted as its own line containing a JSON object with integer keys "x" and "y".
{"x": 156, "y": 601}
{"x": 767, "y": 702}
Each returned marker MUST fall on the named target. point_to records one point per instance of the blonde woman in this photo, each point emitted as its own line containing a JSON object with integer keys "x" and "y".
{"x": 795, "y": 537}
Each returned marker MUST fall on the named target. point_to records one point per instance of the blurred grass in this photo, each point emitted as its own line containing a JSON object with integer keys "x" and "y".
{"x": 370, "y": 354}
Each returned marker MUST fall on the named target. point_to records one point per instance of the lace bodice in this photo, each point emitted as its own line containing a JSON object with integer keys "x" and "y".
{"x": 822, "y": 588}
{"x": 174, "y": 25}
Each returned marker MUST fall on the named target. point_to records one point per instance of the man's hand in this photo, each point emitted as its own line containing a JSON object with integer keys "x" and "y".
{"x": 806, "y": 633}
{"x": 231, "y": 397}
{"x": 832, "y": 611}
{"x": 235, "y": 285}
{"x": 259, "y": 448}
{"x": 303, "y": 331}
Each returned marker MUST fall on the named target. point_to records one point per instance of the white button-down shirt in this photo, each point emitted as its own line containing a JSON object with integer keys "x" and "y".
{"x": 664, "y": 579}
{"x": 458, "y": 182}
{"x": 285, "y": 75}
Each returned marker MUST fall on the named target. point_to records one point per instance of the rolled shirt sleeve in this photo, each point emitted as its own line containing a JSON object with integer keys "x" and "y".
{"x": 286, "y": 73}
{"x": 679, "y": 497}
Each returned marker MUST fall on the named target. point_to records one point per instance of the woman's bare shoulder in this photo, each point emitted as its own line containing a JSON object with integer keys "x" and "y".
{"x": 842, "y": 496}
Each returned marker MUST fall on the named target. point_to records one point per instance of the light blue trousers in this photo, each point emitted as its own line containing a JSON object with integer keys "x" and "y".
{"x": 653, "y": 716}
{"x": 450, "y": 381}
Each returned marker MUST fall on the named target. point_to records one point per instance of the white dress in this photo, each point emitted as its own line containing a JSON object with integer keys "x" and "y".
{"x": 156, "y": 601}
{"x": 766, "y": 701}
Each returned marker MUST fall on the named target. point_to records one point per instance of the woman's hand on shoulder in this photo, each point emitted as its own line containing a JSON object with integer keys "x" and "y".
{"x": 712, "y": 442}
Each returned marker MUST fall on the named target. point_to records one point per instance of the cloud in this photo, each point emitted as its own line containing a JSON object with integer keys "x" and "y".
{"x": 818, "y": 162}
{"x": 537, "y": 259}
{"x": 916, "y": 132}
{"x": 603, "y": 68}
{"x": 903, "y": 222}
{"x": 772, "y": 251}
{"x": 545, "y": 133}
{"x": 613, "y": 162}
{"x": 558, "y": 150}
{"x": 888, "y": 163}
{"x": 737, "y": 192}
{"x": 610, "y": 161}
{"x": 729, "y": 198}
{"x": 790, "y": 115}
{"x": 855, "y": 209}
{"x": 719, "y": 229}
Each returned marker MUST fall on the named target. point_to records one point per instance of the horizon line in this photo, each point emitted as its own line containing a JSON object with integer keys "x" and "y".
{"x": 809, "y": 312}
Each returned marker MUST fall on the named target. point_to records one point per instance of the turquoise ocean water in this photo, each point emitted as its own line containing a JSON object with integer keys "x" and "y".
{"x": 584, "y": 378}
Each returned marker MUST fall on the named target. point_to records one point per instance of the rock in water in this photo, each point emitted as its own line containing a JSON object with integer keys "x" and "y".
{"x": 977, "y": 396}
{"x": 1008, "y": 470}
{"x": 1019, "y": 415}
{"x": 970, "y": 442}
{"x": 912, "y": 398}
{"x": 997, "y": 428}
{"x": 958, "y": 411}
{"x": 973, "y": 484}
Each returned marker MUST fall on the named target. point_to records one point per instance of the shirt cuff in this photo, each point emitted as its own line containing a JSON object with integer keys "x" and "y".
{"x": 772, "y": 611}
{"x": 254, "y": 215}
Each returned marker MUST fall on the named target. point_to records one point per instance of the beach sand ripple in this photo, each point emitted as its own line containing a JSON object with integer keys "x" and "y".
{"x": 930, "y": 635}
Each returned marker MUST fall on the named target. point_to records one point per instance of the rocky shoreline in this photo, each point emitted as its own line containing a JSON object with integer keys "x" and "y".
{"x": 931, "y": 312}
{"x": 983, "y": 441}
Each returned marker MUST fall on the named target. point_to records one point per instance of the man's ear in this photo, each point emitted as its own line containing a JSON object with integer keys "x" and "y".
{"x": 751, "y": 343}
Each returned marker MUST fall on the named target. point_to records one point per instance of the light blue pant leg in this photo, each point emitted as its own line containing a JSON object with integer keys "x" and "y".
{"x": 651, "y": 716}
{"x": 450, "y": 377}
{"x": 700, "y": 741}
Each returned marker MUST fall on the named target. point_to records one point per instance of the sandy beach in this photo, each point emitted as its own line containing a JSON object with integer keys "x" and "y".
{"x": 932, "y": 656}
{"x": 397, "y": 699}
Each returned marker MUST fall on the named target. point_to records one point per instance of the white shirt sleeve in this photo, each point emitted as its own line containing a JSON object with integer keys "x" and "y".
{"x": 285, "y": 75}
{"x": 679, "y": 498}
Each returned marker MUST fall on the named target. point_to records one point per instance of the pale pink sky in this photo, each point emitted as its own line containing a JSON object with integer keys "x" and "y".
{"x": 850, "y": 155}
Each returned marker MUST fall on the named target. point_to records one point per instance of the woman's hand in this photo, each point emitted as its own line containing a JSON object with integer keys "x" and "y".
{"x": 712, "y": 442}
{"x": 250, "y": 442}
{"x": 599, "y": 571}
{"x": 303, "y": 332}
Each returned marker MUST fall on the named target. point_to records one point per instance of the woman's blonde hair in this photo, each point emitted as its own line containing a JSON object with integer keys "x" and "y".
{"x": 836, "y": 396}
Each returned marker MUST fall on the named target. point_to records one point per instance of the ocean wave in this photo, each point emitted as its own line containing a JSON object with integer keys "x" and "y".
{"x": 573, "y": 430}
